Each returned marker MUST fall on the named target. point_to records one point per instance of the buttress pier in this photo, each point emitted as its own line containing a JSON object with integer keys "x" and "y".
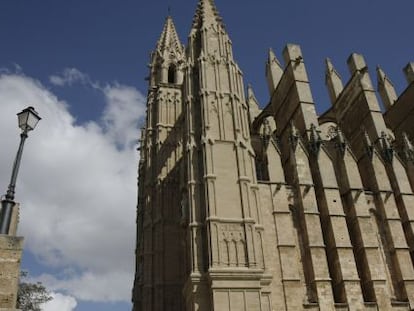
{"x": 244, "y": 208}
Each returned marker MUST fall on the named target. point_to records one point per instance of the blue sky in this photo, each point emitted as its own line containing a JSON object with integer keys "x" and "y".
{"x": 82, "y": 65}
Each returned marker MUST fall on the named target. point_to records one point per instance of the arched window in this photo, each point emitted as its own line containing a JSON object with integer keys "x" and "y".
{"x": 172, "y": 75}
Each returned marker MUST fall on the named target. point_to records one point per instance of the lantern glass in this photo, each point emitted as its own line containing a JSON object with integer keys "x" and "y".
{"x": 28, "y": 119}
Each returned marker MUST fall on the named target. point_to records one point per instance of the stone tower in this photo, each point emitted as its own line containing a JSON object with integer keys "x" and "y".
{"x": 243, "y": 208}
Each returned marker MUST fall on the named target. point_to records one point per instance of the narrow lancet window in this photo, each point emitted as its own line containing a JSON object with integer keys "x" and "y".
{"x": 172, "y": 75}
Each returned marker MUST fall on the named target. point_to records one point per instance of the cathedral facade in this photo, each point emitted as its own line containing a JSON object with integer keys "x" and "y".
{"x": 243, "y": 208}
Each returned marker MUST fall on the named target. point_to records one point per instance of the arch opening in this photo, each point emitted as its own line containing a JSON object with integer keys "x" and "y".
{"x": 172, "y": 74}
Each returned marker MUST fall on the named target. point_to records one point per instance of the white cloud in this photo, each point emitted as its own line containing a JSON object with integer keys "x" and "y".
{"x": 105, "y": 286}
{"x": 119, "y": 115}
{"x": 77, "y": 187}
{"x": 69, "y": 77}
{"x": 60, "y": 302}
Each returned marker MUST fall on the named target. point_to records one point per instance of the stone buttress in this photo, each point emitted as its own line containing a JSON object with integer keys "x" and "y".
{"x": 245, "y": 207}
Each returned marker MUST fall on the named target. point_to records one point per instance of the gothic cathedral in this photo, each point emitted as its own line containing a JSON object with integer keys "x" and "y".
{"x": 249, "y": 209}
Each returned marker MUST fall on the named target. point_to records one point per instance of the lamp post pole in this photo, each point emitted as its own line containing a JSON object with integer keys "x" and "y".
{"x": 8, "y": 203}
{"x": 28, "y": 119}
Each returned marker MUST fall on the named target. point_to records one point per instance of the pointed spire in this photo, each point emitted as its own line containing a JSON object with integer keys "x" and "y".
{"x": 207, "y": 14}
{"x": 169, "y": 40}
{"x": 409, "y": 72}
{"x": 386, "y": 89}
{"x": 333, "y": 81}
{"x": 250, "y": 92}
{"x": 253, "y": 103}
{"x": 208, "y": 32}
{"x": 168, "y": 58}
{"x": 274, "y": 71}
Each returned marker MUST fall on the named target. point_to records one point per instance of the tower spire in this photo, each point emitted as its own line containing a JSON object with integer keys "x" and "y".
{"x": 168, "y": 57}
{"x": 208, "y": 28}
{"x": 169, "y": 39}
{"x": 207, "y": 14}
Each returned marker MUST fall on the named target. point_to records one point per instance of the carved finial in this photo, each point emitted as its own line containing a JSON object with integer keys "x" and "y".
{"x": 386, "y": 89}
{"x": 409, "y": 72}
{"x": 315, "y": 140}
{"x": 274, "y": 71}
{"x": 329, "y": 65}
{"x": 294, "y": 135}
{"x": 333, "y": 81}
{"x": 381, "y": 74}
{"x": 250, "y": 92}
{"x": 253, "y": 103}
{"x": 340, "y": 141}
{"x": 368, "y": 144}
{"x": 267, "y": 130}
{"x": 271, "y": 55}
{"x": 387, "y": 150}
{"x": 408, "y": 148}
{"x": 251, "y": 97}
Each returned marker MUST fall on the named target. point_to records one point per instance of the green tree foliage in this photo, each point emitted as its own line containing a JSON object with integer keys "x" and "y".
{"x": 31, "y": 295}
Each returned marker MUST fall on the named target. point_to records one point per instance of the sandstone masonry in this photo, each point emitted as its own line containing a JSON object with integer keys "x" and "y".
{"x": 243, "y": 208}
{"x": 11, "y": 248}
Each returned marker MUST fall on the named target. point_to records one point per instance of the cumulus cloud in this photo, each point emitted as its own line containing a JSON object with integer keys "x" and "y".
{"x": 77, "y": 187}
{"x": 60, "y": 302}
{"x": 70, "y": 76}
{"x": 105, "y": 286}
{"x": 119, "y": 115}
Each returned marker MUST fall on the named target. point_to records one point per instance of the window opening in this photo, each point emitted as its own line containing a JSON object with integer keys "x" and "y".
{"x": 172, "y": 74}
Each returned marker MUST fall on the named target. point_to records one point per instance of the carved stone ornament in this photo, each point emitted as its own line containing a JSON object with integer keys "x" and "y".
{"x": 387, "y": 150}
{"x": 408, "y": 148}
{"x": 340, "y": 142}
{"x": 368, "y": 145}
{"x": 332, "y": 132}
{"x": 294, "y": 136}
{"x": 315, "y": 140}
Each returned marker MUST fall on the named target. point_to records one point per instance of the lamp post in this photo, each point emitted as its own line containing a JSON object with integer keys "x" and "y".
{"x": 27, "y": 119}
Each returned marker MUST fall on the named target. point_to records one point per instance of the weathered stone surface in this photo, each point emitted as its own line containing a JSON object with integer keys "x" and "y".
{"x": 10, "y": 256}
{"x": 242, "y": 208}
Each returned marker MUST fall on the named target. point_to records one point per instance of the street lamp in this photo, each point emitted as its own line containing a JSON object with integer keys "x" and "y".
{"x": 28, "y": 119}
